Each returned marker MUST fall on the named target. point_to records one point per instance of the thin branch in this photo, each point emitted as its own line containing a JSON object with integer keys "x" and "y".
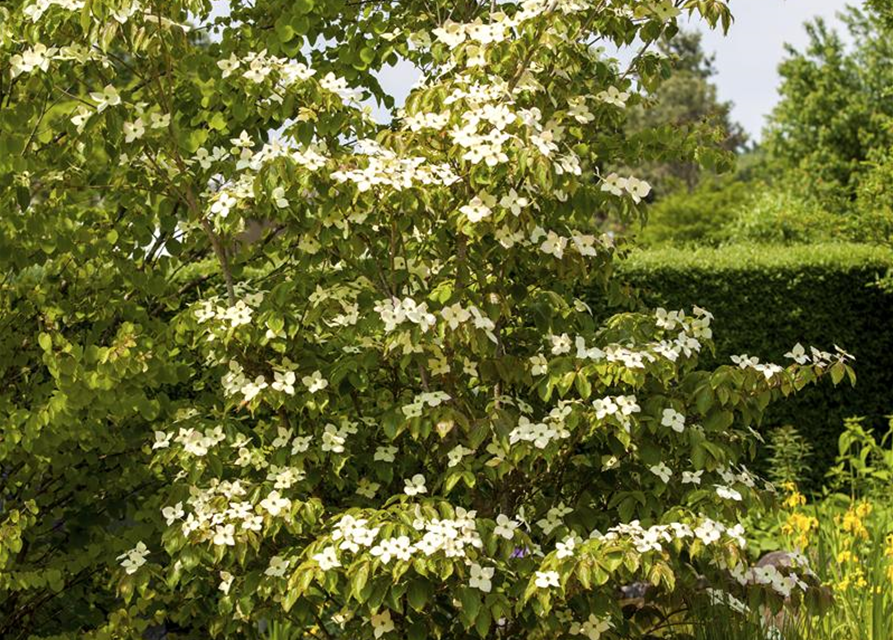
{"x": 222, "y": 258}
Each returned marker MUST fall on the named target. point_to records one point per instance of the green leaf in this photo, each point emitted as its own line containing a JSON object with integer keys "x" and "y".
{"x": 471, "y": 604}
{"x": 303, "y": 6}
{"x": 719, "y": 420}
{"x": 704, "y": 400}
{"x": 417, "y": 631}
{"x": 584, "y": 388}
{"x": 482, "y": 623}
{"x": 419, "y": 593}
{"x": 584, "y": 574}
{"x": 23, "y": 197}
{"x": 358, "y": 582}
{"x": 55, "y": 580}
{"x": 217, "y": 122}
{"x": 451, "y": 481}
{"x": 284, "y": 30}
{"x": 698, "y": 456}
{"x": 45, "y": 342}
{"x": 86, "y": 17}
{"x": 838, "y": 371}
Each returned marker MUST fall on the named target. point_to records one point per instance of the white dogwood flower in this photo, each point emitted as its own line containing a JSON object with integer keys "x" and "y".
{"x": 481, "y": 577}
{"x": 382, "y": 623}
{"x": 613, "y": 96}
{"x": 415, "y": 485}
{"x": 327, "y": 559}
{"x": 108, "y": 97}
{"x": 662, "y": 471}
{"x": 172, "y": 514}
{"x": 505, "y": 527}
{"x": 277, "y": 567}
{"x": 315, "y": 382}
{"x": 284, "y": 382}
{"x": 479, "y": 207}
{"x": 673, "y": 419}
{"x": 135, "y": 558}
{"x": 547, "y": 579}
{"x": 275, "y": 504}
{"x": 728, "y": 493}
{"x": 134, "y": 130}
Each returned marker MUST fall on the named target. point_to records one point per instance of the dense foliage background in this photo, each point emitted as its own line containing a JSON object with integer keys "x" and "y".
{"x": 270, "y": 364}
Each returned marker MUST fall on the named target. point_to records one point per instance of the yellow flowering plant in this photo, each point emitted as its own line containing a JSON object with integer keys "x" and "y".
{"x": 845, "y": 535}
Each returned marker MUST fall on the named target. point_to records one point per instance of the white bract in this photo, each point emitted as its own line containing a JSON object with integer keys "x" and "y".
{"x": 662, "y": 471}
{"x": 673, "y": 419}
{"x": 315, "y": 382}
{"x": 415, "y": 485}
{"x": 547, "y": 579}
{"x": 327, "y": 559}
{"x": 481, "y": 578}
{"x": 134, "y": 559}
{"x": 274, "y": 504}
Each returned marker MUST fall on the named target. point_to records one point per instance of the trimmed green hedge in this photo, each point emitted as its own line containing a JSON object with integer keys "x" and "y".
{"x": 768, "y": 298}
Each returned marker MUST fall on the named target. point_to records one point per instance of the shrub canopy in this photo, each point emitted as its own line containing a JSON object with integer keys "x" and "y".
{"x": 268, "y": 359}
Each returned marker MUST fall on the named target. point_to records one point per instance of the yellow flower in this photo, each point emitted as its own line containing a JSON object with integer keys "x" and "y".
{"x": 863, "y": 509}
{"x": 860, "y": 582}
{"x": 795, "y": 498}
{"x": 845, "y": 556}
{"x": 852, "y": 522}
{"x": 797, "y": 523}
{"x": 799, "y": 526}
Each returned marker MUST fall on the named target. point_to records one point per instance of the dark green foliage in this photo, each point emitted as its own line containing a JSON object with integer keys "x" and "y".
{"x": 874, "y": 199}
{"x": 698, "y": 217}
{"x": 766, "y": 299}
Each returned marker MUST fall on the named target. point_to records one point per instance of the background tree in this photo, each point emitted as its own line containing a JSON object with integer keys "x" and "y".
{"x": 686, "y": 105}
{"x": 834, "y": 112}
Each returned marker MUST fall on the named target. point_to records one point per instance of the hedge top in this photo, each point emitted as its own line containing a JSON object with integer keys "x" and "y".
{"x": 747, "y": 257}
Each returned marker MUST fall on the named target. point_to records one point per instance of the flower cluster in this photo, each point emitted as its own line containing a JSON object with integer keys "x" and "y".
{"x": 394, "y": 312}
{"x": 769, "y": 575}
{"x": 707, "y": 531}
{"x": 132, "y": 560}
{"x": 385, "y": 168}
{"x": 540, "y": 434}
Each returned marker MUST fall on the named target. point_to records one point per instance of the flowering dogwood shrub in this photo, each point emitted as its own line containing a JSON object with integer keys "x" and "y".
{"x": 369, "y": 396}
